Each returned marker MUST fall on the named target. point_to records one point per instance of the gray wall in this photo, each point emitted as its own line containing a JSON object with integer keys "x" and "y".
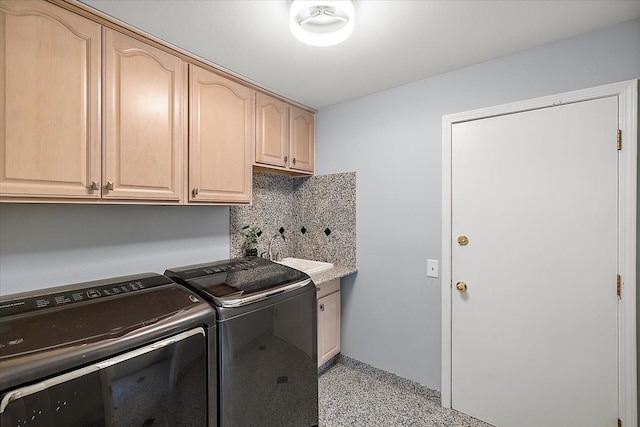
{"x": 392, "y": 139}
{"x": 48, "y": 245}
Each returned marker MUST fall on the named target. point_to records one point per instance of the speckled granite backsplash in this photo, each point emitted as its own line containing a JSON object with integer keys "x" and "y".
{"x": 318, "y": 215}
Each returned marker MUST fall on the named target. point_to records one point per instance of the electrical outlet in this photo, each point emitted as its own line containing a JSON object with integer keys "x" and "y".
{"x": 432, "y": 268}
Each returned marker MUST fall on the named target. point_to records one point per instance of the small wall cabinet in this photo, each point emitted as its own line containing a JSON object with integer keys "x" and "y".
{"x": 272, "y": 131}
{"x": 302, "y": 139}
{"x": 328, "y": 306}
{"x": 285, "y": 136}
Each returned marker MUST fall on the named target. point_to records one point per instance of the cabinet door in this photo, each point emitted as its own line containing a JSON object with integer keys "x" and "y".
{"x": 302, "y": 139}
{"x": 49, "y": 102}
{"x": 272, "y": 131}
{"x": 328, "y": 327}
{"x": 221, "y": 130}
{"x": 144, "y": 141}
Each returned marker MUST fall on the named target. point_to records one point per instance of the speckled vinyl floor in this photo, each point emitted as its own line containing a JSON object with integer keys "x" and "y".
{"x": 354, "y": 394}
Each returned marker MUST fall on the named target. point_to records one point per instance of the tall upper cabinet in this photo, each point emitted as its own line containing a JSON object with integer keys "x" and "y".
{"x": 143, "y": 120}
{"x": 49, "y": 102}
{"x": 285, "y": 136}
{"x": 221, "y": 132}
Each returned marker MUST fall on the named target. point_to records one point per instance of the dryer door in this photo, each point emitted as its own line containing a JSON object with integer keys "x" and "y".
{"x": 163, "y": 383}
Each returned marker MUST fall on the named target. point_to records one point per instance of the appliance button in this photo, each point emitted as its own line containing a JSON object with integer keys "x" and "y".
{"x": 93, "y": 293}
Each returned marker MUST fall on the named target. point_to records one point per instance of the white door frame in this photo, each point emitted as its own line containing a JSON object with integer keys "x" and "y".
{"x": 627, "y": 93}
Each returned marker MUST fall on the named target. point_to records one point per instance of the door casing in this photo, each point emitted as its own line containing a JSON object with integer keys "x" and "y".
{"x": 627, "y": 93}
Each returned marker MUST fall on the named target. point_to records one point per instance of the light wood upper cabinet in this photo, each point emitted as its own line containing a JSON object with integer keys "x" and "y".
{"x": 285, "y": 136}
{"x": 143, "y": 121}
{"x": 49, "y": 102}
{"x": 221, "y": 135}
{"x": 91, "y": 110}
{"x": 302, "y": 139}
{"x": 272, "y": 131}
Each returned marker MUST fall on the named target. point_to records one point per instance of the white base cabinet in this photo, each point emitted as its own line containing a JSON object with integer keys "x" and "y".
{"x": 328, "y": 306}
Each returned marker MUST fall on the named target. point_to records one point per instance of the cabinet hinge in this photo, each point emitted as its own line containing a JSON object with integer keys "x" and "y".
{"x": 450, "y": 284}
{"x": 619, "y": 286}
{"x": 619, "y": 139}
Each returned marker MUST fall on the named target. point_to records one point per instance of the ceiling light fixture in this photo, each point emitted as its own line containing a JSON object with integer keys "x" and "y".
{"x": 321, "y": 22}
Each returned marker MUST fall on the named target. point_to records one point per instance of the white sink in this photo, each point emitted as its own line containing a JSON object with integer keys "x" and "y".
{"x": 306, "y": 265}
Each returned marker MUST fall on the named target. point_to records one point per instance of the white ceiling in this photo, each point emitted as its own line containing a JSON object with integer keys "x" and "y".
{"x": 394, "y": 42}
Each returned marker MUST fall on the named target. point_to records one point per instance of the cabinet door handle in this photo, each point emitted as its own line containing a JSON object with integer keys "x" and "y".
{"x": 286, "y": 158}
{"x": 294, "y": 160}
{"x": 321, "y": 307}
{"x": 109, "y": 185}
{"x": 94, "y": 185}
{"x": 195, "y": 191}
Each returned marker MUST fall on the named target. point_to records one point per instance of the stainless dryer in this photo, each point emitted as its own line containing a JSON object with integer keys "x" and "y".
{"x": 267, "y": 329}
{"x": 129, "y": 351}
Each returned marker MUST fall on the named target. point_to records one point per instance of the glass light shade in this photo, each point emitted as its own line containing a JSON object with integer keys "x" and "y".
{"x": 321, "y": 22}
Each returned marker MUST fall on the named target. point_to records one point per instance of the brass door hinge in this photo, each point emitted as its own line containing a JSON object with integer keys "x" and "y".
{"x": 619, "y": 286}
{"x": 619, "y": 139}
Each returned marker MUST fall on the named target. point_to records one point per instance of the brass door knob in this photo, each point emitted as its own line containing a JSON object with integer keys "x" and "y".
{"x": 461, "y": 286}
{"x": 463, "y": 240}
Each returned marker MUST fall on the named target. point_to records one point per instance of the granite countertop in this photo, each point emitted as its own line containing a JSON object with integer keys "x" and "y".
{"x": 337, "y": 272}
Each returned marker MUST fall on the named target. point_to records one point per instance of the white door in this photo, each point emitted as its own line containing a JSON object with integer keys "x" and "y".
{"x": 534, "y": 336}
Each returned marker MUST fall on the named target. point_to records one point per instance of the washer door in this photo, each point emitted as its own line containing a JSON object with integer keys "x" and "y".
{"x": 268, "y": 363}
{"x": 163, "y": 383}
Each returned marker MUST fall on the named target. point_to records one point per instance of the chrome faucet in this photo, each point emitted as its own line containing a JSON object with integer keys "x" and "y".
{"x": 274, "y": 237}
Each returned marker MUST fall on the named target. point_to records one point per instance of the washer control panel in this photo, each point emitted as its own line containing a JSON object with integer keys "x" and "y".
{"x": 71, "y": 296}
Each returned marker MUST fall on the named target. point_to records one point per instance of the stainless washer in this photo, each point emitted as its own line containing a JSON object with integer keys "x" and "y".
{"x": 267, "y": 329}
